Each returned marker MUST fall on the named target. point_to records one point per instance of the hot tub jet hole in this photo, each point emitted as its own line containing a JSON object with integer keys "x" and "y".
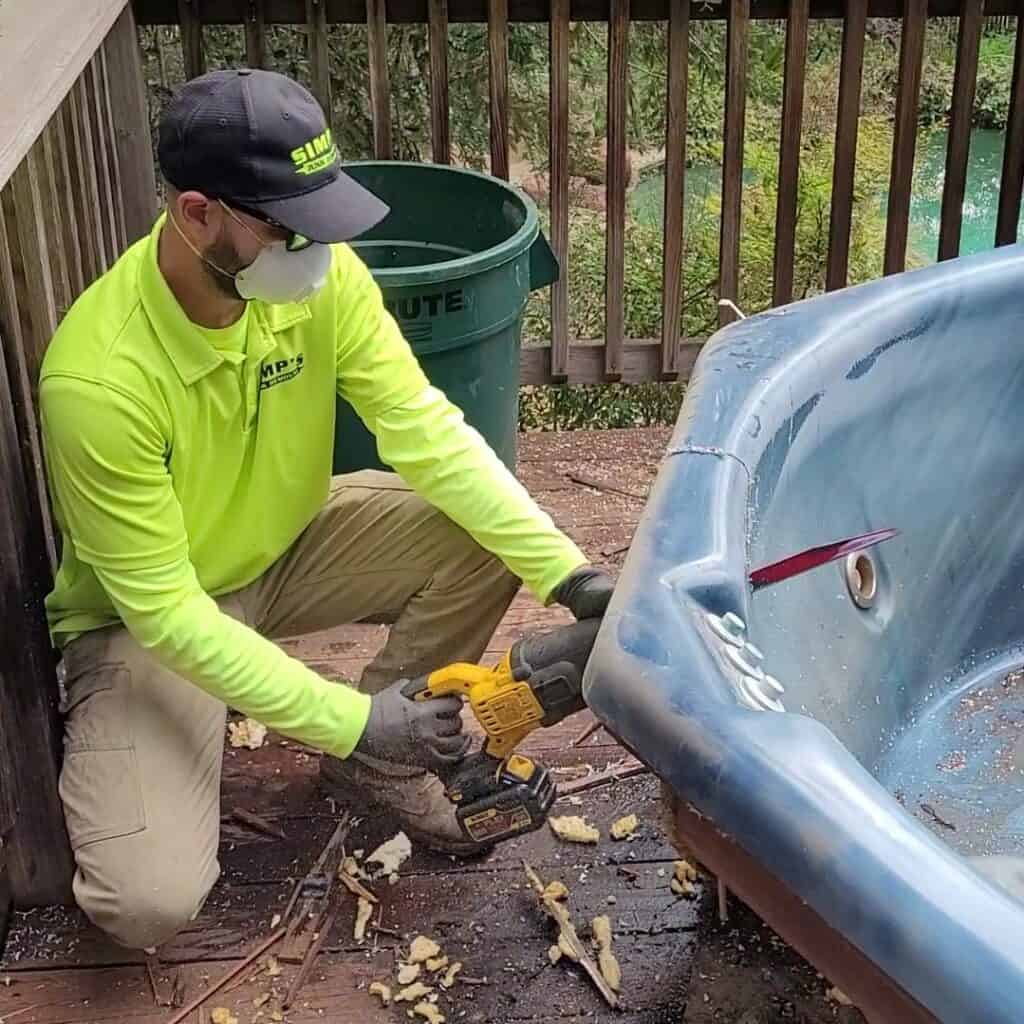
{"x": 861, "y": 579}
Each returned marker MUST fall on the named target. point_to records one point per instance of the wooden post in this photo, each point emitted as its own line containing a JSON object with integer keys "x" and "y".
{"x": 83, "y": 204}
{"x": 615, "y": 189}
{"x": 901, "y": 178}
{"x": 190, "y": 20}
{"x": 110, "y": 145}
{"x": 130, "y": 112}
{"x": 559, "y": 186}
{"x": 53, "y": 218}
{"x": 1013, "y": 155}
{"x": 497, "y": 45}
{"x": 737, "y": 38}
{"x": 64, "y": 197}
{"x": 380, "y": 89}
{"x": 959, "y": 143}
{"x": 789, "y": 150}
{"x": 39, "y": 857}
{"x": 675, "y": 178}
{"x": 851, "y": 66}
{"x": 90, "y": 193}
{"x": 440, "y": 132}
{"x": 319, "y": 54}
{"x": 255, "y": 35}
{"x": 93, "y": 85}
{"x": 24, "y": 210}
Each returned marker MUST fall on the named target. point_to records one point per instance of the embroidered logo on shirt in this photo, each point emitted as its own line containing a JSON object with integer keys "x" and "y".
{"x": 280, "y": 371}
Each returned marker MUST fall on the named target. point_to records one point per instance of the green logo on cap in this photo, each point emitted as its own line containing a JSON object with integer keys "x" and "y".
{"x": 315, "y": 155}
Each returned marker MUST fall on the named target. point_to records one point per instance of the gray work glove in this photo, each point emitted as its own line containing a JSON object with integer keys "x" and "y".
{"x": 426, "y": 734}
{"x": 585, "y": 592}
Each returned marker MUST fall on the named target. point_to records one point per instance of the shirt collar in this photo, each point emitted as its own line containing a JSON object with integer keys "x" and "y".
{"x": 192, "y": 355}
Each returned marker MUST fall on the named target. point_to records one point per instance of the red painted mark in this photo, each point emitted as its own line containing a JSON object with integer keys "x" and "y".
{"x": 813, "y": 557}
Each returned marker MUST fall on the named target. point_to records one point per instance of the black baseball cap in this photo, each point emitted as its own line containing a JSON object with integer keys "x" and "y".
{"x": 259, "y": 141}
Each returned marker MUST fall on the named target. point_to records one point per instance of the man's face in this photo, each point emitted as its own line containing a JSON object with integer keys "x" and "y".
{"x": 229, "y": 255}
{"x": 228, "y": 241}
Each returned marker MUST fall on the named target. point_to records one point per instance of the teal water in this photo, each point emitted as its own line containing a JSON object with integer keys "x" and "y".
{"x": 981, "y": 200}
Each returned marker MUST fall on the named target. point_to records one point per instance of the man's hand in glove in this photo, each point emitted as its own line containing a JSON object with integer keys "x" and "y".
{"x": 585, "y": 592}
{"x": 427, "y": 734}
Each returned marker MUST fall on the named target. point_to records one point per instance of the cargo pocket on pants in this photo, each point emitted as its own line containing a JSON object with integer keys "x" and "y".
{"x": 99, "y": 780}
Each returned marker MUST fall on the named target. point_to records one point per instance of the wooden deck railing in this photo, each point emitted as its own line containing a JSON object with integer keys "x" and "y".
{"x": 76, "y": 186}
{"x": 672, "y": 355}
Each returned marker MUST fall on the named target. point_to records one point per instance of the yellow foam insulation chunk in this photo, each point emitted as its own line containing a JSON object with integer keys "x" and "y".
{"x": 409, "y": 994}
{"x": 247, "y": 733}
{"x": 408, "y": 973}
{"x": 554, "y": 954}
{"x": 685, "y": 871}
{"x": 261, "y": 1000}
{"x": 438, "y": 963}
{"x": 601, "y": 927}
{"x": 837, "y": 995}
{"x": 276, "y": 1015}
{"x": 363, "y": 913}
{"x": 378, "y": 988}
{"x": 222, "y": 1015}
{"x": 624, "y": 827}
{"x": 273, "y": 968}
{"x": 449, "y": 976}
{"x": 390, "y": 856}
{"x": 574, "y": 829}
{"x": 683, "y": 876}
{"x": 423, "y": 949}
{"x": 566, "y": 947}
{"x": 556, "y": 890}
{"x": 429, "y": 1012}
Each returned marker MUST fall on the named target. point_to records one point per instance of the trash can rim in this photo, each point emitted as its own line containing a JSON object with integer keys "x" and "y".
{"x": 464, "y": 266}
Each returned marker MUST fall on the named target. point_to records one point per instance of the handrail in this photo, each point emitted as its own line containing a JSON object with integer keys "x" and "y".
{"x": 44, "y": 47}
{"x": 406, "y": 12}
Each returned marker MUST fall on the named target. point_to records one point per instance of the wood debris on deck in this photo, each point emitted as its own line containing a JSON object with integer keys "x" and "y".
{"x": 678, "y": 964}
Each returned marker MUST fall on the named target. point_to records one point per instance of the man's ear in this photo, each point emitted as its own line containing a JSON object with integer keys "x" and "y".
{"x": 198, "y": 216}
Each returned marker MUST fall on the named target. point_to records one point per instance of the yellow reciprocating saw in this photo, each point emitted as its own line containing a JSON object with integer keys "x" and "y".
{"x": 500, "y": 794}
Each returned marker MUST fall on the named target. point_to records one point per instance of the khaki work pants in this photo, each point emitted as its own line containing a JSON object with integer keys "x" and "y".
{"x": 140, "y": 782}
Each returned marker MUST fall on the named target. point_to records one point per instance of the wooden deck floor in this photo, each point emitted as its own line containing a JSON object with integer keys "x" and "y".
{"x": 679, "y": 964}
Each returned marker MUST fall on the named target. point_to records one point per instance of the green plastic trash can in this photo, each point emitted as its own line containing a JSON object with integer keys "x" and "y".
{"x": 456, "y": 259}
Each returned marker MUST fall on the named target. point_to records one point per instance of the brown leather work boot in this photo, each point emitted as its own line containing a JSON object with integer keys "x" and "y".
{"x": 415, "y": 797}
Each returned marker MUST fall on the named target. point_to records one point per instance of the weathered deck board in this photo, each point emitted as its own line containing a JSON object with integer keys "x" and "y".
{"x": 447, "y": 905}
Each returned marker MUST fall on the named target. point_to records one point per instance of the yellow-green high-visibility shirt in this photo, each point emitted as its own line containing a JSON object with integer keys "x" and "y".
{"x": 183, "y": 462}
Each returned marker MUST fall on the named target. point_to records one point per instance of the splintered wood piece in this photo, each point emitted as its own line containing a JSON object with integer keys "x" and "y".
{"x": 327, "y": 924}
{"x": 311, "y": 900}
{"x": 585, "y": 480}
{"x": 614, "y": 774}
{"x": 355, "y": 886}
{"x": 151, "y": 963}
{"x": 587, "y": 733}
{"x": 255, "y": 822}
{"x": 557, "y": 911}
{"x": 233, "y": 973}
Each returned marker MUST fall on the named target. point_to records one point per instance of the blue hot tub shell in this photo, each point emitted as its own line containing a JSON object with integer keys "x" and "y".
{"x": 899, "y": 759}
